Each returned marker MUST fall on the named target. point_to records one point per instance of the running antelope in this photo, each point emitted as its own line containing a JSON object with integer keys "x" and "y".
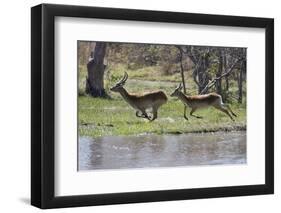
{"x": 202, "y": 101}
{"x": 143, "y": 101}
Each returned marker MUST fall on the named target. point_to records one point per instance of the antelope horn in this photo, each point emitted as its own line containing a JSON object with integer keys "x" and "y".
{"x": 124, "y": 79}
{"x": 179, "y": 86}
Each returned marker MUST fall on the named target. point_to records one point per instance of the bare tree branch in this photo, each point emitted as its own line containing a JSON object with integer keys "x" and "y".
{"x": 213, "y": 82}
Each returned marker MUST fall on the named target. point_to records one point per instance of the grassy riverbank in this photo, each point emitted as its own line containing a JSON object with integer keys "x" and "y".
{"x": 104, "y": 117}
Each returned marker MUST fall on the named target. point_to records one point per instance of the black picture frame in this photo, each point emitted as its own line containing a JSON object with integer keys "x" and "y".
{"x": 43, "y": 105}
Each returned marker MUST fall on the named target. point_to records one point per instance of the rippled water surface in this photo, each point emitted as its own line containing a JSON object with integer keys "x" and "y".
{"x": 162, "y": 150}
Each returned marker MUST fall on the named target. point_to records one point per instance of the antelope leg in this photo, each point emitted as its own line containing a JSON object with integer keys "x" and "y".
{"x": 143, "y": 115}
{"x": 140, "y": 115}
{"x": 184, "y": 112}
{"x": 196, "y": 116}
{"x": 147, "y": 117}
{"x": 226, "y": 112}
{"x": 154, "y": 114}
{"x": 225, "y": 105}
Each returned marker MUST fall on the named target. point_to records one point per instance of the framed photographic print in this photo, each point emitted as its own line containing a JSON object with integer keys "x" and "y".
{"x": 140, "y": 106}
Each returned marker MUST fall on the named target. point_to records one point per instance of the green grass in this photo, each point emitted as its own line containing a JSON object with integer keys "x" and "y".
{"x": 104, "y": 117}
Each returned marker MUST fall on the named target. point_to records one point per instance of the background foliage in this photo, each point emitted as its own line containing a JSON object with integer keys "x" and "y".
{"x": 152, "y": 66}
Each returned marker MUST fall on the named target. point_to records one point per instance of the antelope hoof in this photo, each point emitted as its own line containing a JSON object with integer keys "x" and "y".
{"x": 152, "y": 118}
{"x": 149, "y": 118}
{"x": 186, "y": 118}
{"x": 140, "y": 115}
{"x": 199, "y": 117}
{"x": 234, "y": 114}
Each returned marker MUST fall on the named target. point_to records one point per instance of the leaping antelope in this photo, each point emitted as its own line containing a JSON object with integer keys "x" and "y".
{"x": 143, "y": 101}
{"x": 202, "y": 101}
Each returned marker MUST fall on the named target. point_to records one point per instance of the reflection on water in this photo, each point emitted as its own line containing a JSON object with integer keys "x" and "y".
{"x": 162, "y": 150}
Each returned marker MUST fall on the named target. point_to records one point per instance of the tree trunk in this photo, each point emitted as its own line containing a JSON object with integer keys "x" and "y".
{"x": 203, "y": 78}
{"x": 96, "y": 67}
{"x": 226, "y": 84}
{"x": 219, "y": 73}
{"x": 240, "y": 81}
{"x": 226, "y": 88}
{"x": 182, "y": 71}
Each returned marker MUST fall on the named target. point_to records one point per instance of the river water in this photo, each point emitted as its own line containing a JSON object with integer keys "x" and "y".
{"x": 145, "y": 151}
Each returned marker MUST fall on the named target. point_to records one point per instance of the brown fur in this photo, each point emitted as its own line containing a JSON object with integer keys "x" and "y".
{"x": 208, "y": 98}
{"x": 201, "y": 101}
{"x": 143, "y": 101}
{"x": 150, "y": 97}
